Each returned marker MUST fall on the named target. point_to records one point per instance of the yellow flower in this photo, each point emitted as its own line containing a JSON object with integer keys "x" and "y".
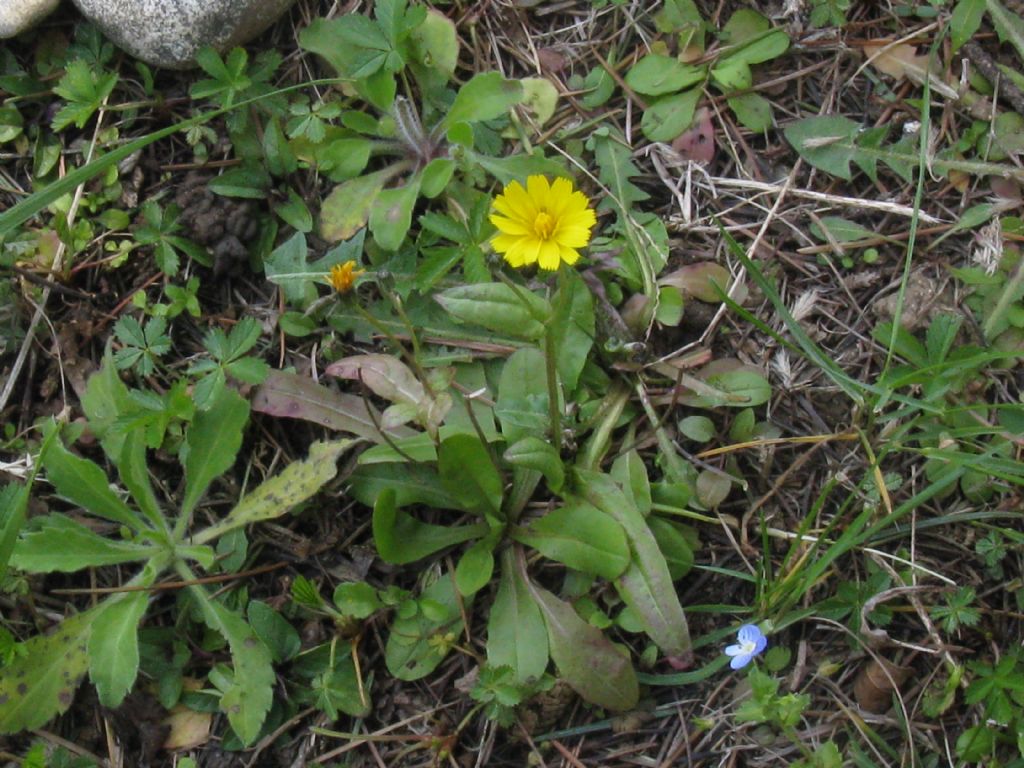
{"x": 343, "y": 276}
{"x": 544, "y": 224}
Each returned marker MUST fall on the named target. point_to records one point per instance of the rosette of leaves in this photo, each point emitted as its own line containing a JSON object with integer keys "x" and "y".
{"x": 400, "y": 63}
{"x": 674, "y": 84}
{"x": 464, "y": 481}
{"x": 137, "y": 527}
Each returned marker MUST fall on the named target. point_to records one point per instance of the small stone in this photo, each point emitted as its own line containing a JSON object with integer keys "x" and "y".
{"x": 169, "y": 33}
{"x": 18, "y": 15}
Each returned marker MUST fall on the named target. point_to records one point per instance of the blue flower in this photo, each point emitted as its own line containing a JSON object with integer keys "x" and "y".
{"x": 751, "y": 642}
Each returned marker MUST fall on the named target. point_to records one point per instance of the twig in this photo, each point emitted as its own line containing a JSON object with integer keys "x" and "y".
{"x": 987, "y": 67}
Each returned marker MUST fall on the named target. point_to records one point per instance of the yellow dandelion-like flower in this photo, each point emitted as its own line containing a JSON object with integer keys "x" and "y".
{"x": 343, "y": 276}
{"x": 545, "y": 224}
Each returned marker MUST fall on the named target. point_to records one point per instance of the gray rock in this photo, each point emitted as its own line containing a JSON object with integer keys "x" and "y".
{"x": 18, "y": 15}
{"x": 169, "y": 33}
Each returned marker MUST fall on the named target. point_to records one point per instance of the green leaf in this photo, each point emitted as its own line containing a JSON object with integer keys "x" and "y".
{"x": 114, "y": 645}
{"x": 522, "y": 405}
{"x": 357, "y": 599}
{"x": 435, "y": 43}
{"x": 277, "y": 634}
{"x": 40, "y": 682}
{"x": 646, "y": 586}
{"x": 585, "y": 658}
{"x": 573, "y": 327}
{"x": 297, "y": 482}
{"x": 413, "y": 484}
{"x": 517, "y": 637}
{"x": 674, "y": 544}
{"x": 826, "y": 142}
{"x": 669, "y": 116}
{"x": 436, "y": 175}
{"x": 248, "y": 700}
{"x": 839, "y": 229}
{"x": 401, "y": 538}
{"x": 353, "y": 44}
{"x": 581, "y": 537}
{"x": 469, "y": 474}
{"x": 534, "y": 453}
{"x": 519, "y": 313}
{"x": 475, "y": 567}
{"x": 413, "y": 649}
{"x": 1009, "y": 26}
{"x": 57, "y": 543}
{"x": 347, "y": 208}
{"x": 485, "y": 96}
{"x": 250, "y": 182}
{"x": 391, "y": 214}
{"x": 753, "y": 110}
{"x": 656, "y": 75}
{"x": 965, "y": 21}
{"x": 213, "y": 441}
{"x": 84, "y": 484}
{"x": 629, "y": 471}
{"x": 13, "y": 508}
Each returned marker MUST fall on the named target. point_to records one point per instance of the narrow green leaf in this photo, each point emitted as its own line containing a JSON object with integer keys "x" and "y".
{"x": 646, "y": 586}
{"x": 401, "y": 538}
{"x": 534, "y": 453}
{"x": 573, "y": 327}
{"x": 213, "y": 441}
{"x": 585, "y": 658}
{"x": 40, "y": 682}
{"x": 965, "y": 21}
{"x": 248, "y": 700}
{"x": 58, "y": 543}
{"x": 1008, "y": 25}
{"x": 519, "y": 313}
{"x": 517, "y": 636}
{"x": 475, "y": 568}
{"x": 581, "y": 537}
{"x": 83, "y": 483}
{"x": 629, "y": 471}
{"x": 468, "y": 473}
{"x": 114, "y": 645}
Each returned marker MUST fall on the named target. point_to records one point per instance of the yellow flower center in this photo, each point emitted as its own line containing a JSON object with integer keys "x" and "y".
{"x": 544, "y": 225}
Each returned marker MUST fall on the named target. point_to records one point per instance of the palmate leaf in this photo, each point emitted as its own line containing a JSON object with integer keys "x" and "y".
{"x": 40, "y": 682}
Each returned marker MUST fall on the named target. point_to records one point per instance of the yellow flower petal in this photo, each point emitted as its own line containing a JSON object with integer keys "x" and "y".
{"x": 569, "y": 255}
{"x": 548, "y": 258}
{"x": 510, "y": 226}
{"x": 544, "y": 223}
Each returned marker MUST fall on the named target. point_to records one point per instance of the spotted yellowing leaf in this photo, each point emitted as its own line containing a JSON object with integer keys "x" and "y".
{"x": 40, "y": 682}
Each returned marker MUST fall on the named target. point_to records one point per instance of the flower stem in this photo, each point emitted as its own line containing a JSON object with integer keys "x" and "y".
{"x": 551, "y": 364}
